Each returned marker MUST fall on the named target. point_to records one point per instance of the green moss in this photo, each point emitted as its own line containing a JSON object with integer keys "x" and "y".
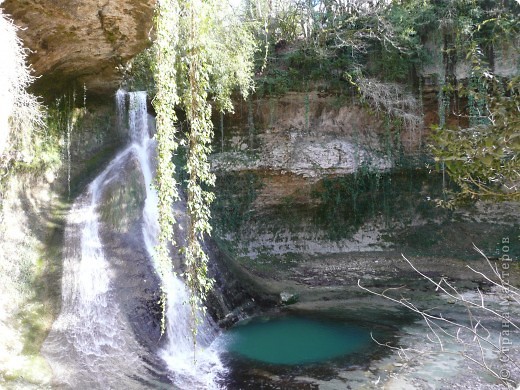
{"x": 34, "y": 326}
{"x": 232, "y": 207}
{"x": 302, "y": 69}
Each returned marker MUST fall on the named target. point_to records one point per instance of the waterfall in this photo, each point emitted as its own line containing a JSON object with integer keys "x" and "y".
{"x": 69, "y": 142}
{"x": 92, "y": 344}
{"x": 121, "y": 110}
{"x": 178, "y": 352}
{"x": 138, "y": 122}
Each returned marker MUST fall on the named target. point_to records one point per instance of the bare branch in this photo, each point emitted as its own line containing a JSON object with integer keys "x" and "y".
{"x": 475, "y": 340}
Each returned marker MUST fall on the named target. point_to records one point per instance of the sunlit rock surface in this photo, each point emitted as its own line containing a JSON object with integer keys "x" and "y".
{"x": 304, "y": 134}
{"x": 82, "y": 41}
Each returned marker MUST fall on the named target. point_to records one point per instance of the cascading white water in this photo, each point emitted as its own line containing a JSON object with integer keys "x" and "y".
{"x": 179, "y": 352}
{"x": 138, "y": 120}
{"x": 121, "y": 109}
{"x": 69, "y": 142}
{"x": 91, "y": 344}
{"x": 91, "y": 336}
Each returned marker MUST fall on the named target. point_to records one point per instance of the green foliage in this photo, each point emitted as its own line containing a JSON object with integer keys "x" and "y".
{"x": 323, "y": 40}
{"x": 233, "y": 205}
{"x": 276, "y": 82}
{"x": 301, "y": 69}
{"x": 166, "y": 98}
{"x": 202, "y": 53}
{"x": 136, "y": 74}
{"x": 383, "y": 40}
{"x": 483, "y": 159}
{"x": 194, "y": 99}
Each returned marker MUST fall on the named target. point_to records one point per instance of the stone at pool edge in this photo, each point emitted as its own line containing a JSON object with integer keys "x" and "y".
{"x": 287, "y": 298}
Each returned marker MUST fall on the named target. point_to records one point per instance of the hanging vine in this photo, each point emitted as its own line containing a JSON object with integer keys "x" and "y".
{"x": 194, "y": 99}
{"x": 166, "y": 98}
{"x": 202, "y": 54}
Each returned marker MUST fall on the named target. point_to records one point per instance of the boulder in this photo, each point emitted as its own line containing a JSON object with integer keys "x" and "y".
{"x": 287, "y": 298}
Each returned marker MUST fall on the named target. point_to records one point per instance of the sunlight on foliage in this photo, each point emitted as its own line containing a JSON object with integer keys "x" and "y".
{"x": 484, "y": 159}
{"x": 20, "y": 112}
{"x": 202, "y": 53}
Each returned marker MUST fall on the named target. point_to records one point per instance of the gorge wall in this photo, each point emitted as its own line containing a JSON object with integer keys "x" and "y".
{"x": 312, "y": 189}
{"x": 307, "y": 178}
{"x": 315, "y": 193}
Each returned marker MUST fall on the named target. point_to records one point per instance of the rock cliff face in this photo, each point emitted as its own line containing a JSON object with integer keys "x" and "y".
{"x": 294, "y": 141}
{"x": 82, "y": 42}
{"x": 304, "y": 134}
{"x": 307, "y": 174}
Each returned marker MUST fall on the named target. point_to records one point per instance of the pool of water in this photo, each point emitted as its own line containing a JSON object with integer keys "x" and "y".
{"x": 295, "y": 340}
{"x": 296, "y": 350}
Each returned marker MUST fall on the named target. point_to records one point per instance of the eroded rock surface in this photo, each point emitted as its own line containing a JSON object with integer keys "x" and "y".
{"x": 303, "y": 134}
{"x": 81, "y": 41}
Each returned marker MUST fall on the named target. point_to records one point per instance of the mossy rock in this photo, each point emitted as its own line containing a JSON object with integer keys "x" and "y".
{"x": 287, "y": 298}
